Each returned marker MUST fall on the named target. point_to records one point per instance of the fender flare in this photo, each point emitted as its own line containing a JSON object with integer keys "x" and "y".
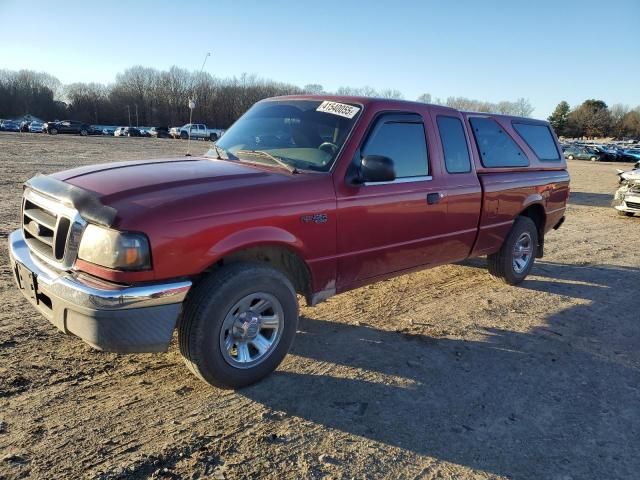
{"x": 534, "y": 198}
{"x": 255, "y": 237}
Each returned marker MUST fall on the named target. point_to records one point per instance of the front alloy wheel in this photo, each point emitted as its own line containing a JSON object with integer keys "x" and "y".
{"x": 251, "y": 330}
{"x": 238, "y": 324}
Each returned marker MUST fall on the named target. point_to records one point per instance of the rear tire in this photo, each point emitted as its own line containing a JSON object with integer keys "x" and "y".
{"x": 213, "y": 137}
{"x": 84, "y": 133}
{"x": 513, "y": 262}
{"x": 593, "y": 159}
{"x": 223, "y": 325}
{"x": 53, "y": 131}
{"x": 570, "y": 157}
{"x": 184, "y": 135}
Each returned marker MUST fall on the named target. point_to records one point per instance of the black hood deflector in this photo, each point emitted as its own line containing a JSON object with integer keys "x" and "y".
{"x": 86, "y": 203}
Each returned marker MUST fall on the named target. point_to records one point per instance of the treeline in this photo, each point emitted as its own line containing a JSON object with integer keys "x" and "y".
{"x": 593, "y": 118}
{"x": 521, "y": 107}
{"x": 142, "y": 96}
{"x": 30, "y": 92}
{"x": 146, "y": 96}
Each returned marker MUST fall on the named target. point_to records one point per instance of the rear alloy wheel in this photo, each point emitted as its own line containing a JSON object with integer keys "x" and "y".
{"x": 53, "y": 131}
{"x": 570, "y": 157}
{"x": 84, "y": 132}
{"x": 593, "y": 159}
{"x": 513, "y": 262}
{"x": 238, "y": 324}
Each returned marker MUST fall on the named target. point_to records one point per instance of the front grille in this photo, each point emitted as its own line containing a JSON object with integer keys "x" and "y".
{"x": 633, "y": 205}
{"x": 51, "y": 229}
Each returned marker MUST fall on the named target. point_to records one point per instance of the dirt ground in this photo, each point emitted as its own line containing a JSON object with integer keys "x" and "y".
{"x": 439, "y": 374}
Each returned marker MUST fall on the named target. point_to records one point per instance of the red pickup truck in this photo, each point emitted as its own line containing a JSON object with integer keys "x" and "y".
{"x": 302, "y": 195}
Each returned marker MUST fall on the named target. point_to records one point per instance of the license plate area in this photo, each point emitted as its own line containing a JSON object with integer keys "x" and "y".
{"x": 27, "y": 281}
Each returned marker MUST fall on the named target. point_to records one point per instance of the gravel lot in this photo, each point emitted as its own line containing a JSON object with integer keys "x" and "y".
{"x": 438, "y": 374}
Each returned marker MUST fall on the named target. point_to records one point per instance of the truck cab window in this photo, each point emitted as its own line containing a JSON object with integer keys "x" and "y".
{"x": 454, "y": 145}
{"x": 402, "y": 142}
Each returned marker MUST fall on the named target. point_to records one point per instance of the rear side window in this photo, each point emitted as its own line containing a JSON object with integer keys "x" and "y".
{"x": 404, "y": 143}
{"x": 540, "y": 140}
{"x": 497, "y": 148}
{"x": 454, "y": 145}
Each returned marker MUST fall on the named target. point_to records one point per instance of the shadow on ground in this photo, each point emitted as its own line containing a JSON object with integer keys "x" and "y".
{"x": 591, "y": 199}
{"x": 562, "y": 399}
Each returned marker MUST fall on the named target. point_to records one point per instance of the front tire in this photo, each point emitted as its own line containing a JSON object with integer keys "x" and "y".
{"x": 84, "y": 132}
{"x": 213, "y": 137}
{"x": 53, "y": 131}
{"x": 625, "y": 214}
{"x": 513, "y": 262}
{"x": 184, "y": 135}
{"x": 238, "y": 324}
{"x": 593, "y": 159}
{"x": 570, "y": 157}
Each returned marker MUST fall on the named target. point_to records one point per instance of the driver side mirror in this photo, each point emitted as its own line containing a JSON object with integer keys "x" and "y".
{"x": 377, "y": 168}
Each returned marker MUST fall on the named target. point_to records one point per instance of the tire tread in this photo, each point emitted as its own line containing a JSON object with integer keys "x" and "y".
{"x": 199, "y": 299}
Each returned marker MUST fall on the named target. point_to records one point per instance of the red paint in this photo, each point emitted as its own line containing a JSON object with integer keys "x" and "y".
{"x": 196, "y": 211}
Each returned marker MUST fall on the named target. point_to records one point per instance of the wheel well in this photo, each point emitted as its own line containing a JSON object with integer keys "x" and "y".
{"x": 280, "y": 258}
{"x": 536, "y": 213}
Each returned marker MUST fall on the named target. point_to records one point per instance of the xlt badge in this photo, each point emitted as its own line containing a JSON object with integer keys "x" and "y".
{"x": 315, "y": 218}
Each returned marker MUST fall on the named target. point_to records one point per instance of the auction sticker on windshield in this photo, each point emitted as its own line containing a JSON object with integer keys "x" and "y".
{"x": 341, "y": 109}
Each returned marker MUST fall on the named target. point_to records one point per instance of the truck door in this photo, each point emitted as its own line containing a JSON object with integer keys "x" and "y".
{"x": 393, "y": 226}
{"x": 463, "y": 189}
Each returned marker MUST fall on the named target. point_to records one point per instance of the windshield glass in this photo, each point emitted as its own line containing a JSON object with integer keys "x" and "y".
{"x": 305, "y": 134}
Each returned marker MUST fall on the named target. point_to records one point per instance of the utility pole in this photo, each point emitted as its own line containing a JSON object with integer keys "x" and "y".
{"x": 137, "y": 124}
{"x": 192, "y": 105}
{"x": 129, "y": 114}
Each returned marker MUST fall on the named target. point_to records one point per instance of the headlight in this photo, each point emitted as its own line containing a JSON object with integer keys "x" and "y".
{"x": 113, "y": 249}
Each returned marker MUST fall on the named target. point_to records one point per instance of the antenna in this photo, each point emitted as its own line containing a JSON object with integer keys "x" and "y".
{"x": 192, "y": 105}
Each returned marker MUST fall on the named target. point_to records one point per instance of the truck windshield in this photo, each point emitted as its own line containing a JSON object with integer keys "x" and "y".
{"x": 305, "y": 134}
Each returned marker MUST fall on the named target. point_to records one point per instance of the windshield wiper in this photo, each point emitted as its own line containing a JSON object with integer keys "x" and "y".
{"x": 267, "y": 155}
{"x": 226, "y": 153}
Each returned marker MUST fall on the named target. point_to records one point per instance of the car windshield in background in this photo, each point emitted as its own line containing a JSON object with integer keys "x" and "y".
{"x": 305, "y": 134}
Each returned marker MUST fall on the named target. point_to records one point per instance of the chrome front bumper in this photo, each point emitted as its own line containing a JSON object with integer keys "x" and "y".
{"x": 108, "y": 316}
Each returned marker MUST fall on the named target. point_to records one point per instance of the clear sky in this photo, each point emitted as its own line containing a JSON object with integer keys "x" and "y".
{"x": 542, "y": 50}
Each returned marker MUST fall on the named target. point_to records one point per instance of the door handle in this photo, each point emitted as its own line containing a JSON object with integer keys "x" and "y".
{"x": 433, "y": 198}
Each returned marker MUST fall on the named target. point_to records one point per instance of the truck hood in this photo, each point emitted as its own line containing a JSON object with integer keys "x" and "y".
{"x": 137, "y": 187}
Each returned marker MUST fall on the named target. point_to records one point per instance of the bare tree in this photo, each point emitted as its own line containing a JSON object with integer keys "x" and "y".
{"x": 313, "y": 89}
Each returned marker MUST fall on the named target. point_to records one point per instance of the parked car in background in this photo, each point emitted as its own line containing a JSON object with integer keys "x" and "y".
{"x": 120, "y": 132}
{"x": 67, "y": 126}
{"x": 631, "y": 154}
{"x": 35, "y": 127}
{"x": 95, "y": 130}
{"x": 197, "y": 131}
{"x": 626, "y": 200}
{"x": 108, "y": 131}
{"x": 159, "y": 132}
{"x": 132, "y": 132}
{"x": 10, "y": 126}
{"x": 583, "y": 153}
{"x": 24, "y": 125}
{"x": 610, "y": 154}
